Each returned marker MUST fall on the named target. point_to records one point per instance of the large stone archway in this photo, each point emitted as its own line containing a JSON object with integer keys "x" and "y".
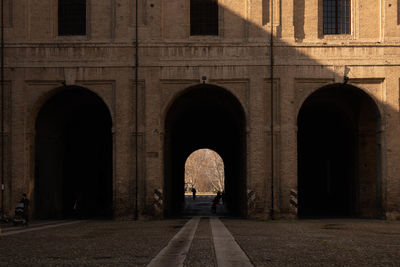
{"x": 339, "y": 154}
{"x": 205, "y": 116}
{"x": 73, "y": 156}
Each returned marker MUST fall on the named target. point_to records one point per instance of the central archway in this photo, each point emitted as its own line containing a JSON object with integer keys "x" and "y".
{"x": 339, "y": 154}
{"x": 205, "y": 116}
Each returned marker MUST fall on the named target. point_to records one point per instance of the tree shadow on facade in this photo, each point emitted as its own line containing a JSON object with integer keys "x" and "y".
{"x": 339, "y": 142}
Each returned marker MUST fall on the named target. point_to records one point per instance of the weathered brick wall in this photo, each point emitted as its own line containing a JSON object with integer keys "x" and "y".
{"x": 238, "y": 59}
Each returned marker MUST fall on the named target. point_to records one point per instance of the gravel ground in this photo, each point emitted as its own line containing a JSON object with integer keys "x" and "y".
{"x": 99, "y": 243}
{"x": 201, "y": 252}
{"x": 318, "y": 242}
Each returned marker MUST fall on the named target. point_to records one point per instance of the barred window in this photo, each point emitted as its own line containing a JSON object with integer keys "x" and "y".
{"x": 71, "y": 17}
{"x": 337, "y": 16}
{"x": 265, "y": 11}
{"x": 204, "y": 17}
{"x": 8, "y": 13}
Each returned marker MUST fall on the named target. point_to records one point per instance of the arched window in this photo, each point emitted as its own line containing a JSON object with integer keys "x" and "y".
{"x": 71, "y": 17}
{"x": 204, "y": 17}
{"x": 337, "y": 16}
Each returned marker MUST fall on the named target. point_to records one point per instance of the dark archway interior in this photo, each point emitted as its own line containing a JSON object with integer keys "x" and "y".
{"x": 338, "y": 154}
{"x": 205, "y": 117}
{"x": 73, "y": 156}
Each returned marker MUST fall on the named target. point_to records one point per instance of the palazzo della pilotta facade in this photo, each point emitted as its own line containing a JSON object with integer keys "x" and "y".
{"x": 103, "y": 102}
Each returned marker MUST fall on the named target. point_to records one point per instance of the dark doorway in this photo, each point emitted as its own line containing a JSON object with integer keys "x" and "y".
{"x": 73, "y": 156}
{"x": 205, "y": 116}
{"x": 338, "y": 154}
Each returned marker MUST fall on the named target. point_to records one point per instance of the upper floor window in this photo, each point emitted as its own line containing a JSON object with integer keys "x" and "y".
{"x": 203, "y": 17}
{"x": 337, "y": 16}
{"x": 398, "y": 12}
{"x": 71, "y": 17}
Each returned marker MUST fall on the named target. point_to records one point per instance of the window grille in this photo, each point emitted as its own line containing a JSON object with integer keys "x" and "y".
{"x": 71, "y": 17}
{"x": 337, "y": 16}
{"x": 204, "y": 17}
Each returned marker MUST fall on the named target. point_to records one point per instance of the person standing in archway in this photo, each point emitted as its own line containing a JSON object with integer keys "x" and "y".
{"x": 26, "y": 203}
{"x": 215, "y": 202}
{"x": 194, "y": 193}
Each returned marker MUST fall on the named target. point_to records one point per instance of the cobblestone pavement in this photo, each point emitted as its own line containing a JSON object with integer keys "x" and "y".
{"x": 266, "y": 243}
{"x": 93, "y": 243}
{"x": 318, "y": 242}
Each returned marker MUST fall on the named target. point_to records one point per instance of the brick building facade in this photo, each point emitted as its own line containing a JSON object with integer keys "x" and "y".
{"x": 103, "y": 106}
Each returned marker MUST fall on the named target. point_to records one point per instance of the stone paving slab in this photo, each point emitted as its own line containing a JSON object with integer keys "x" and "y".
{"x": 174, "y": 254}
{"x": 105, "y": 243}
{"x": 227, "y": 251}
{"x": 202, "y": 252}
{"x": 35, "y": 227}
{"x": 318, "y": 242}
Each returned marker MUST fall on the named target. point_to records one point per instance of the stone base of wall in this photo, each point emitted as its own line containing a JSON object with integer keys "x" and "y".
{"x": 284, "y": 216}
{"x": 393, "y": 216}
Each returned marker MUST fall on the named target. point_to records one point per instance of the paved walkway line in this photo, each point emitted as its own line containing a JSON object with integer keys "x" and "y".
{"x": 227, "y": 251}
{"x": 14, "y": 232}
{"x": 174, "y": 254}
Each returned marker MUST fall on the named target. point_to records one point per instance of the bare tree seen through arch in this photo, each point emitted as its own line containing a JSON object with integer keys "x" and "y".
{"x": 204, "y": 170}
